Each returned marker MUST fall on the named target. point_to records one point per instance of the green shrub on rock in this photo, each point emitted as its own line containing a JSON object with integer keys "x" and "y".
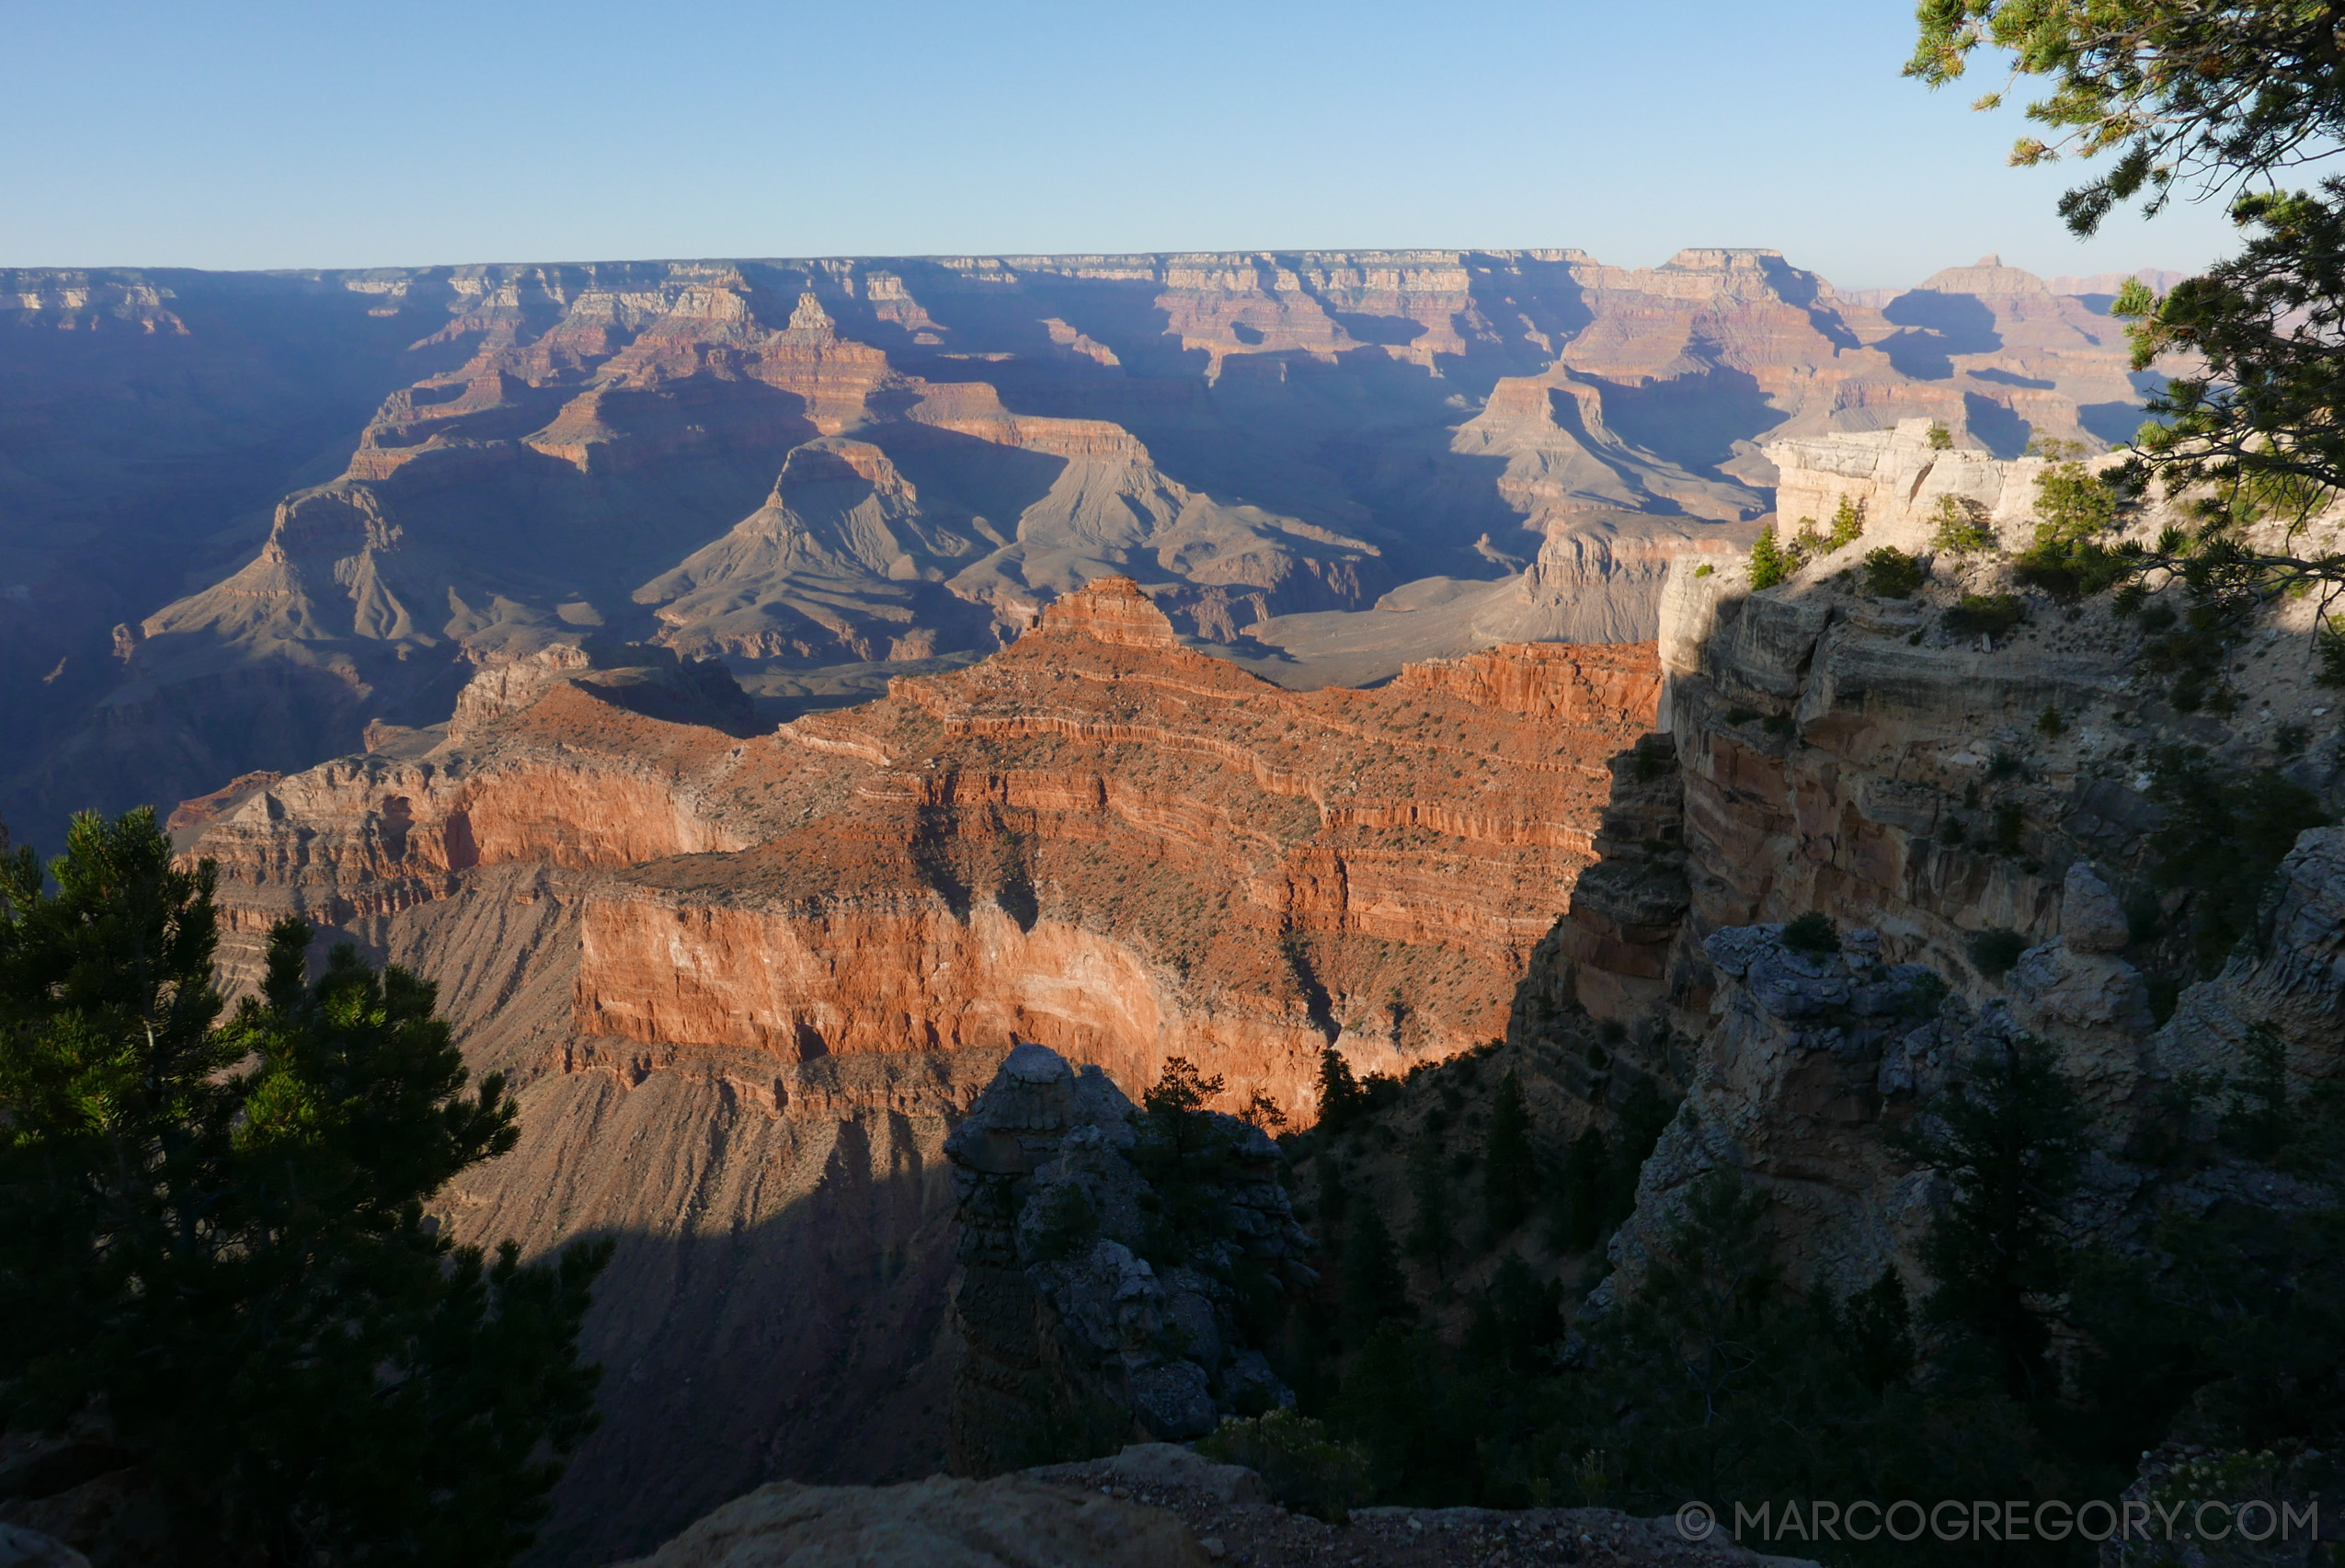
{"x": 1812, "y": 935}
{"x": 1961, "y": 528}
{"x": 1305, "y": 1469}
{"x": 1890, "y": 573}
{"x": 1992, "y": 613}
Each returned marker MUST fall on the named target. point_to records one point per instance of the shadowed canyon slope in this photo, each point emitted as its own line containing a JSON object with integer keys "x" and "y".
{"x": 745, "y": 977}
{"x": 243, "y": 516}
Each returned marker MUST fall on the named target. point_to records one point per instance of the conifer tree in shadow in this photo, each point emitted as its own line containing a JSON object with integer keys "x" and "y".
{"x": 216, "y": 1276}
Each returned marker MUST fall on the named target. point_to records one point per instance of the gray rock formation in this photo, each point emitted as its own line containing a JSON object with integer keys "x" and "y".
{"x": 1073, "y": 1342}
{"x": 2290, "y": 976}
{"x": 2095, "y": 1005}
{"x": 2091, "y": 920}
{"x": 1809, "y": 1061}
{"x": 1787, "y": 1091}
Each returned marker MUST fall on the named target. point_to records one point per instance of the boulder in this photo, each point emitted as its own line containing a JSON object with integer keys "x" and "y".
{"x": 2091, "y": 920}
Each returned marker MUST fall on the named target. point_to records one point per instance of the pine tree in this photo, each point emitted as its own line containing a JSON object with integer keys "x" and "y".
{"x": 1847, "y": 523}
{"x": 1430, "y": 1231}
{"x": 1876, "y": 1328}
{"x": 1584, "y": 1195}
{"x": 1769, "y": 562}
{"x": 2012, "y": 1147}
{"x": 1644, "y": 1117}
{"x": 1374, "y": 1288}
{"x": 212, "y": 1244}
{"x": 1183, "y": 1151}
{"x": 1340, "y": 1094}
{"x": 1509, "y": 1172}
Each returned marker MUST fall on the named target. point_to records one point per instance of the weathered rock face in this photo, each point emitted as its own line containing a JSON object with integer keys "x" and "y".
{"x": 1071, "y": 1342}
{"x": 1787, "y": 1091}
{"x": 2291, "y": 979}
{"x": 1846, "y": 754}
{"x": 746, "y": 981}
{"x": 1833, "y": 752}
{"x": 827, "y": 472}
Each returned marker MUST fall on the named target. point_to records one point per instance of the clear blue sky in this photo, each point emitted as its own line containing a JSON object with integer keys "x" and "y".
{"x": 255, "y": 133}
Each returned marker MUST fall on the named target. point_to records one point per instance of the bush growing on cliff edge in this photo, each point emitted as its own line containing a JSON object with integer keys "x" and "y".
{"x": 1769, "y": 562}
{"x": 2329, "y": 650}
{"x": 1890, "y": 573}
{"x": 1847, "y": 524}
{"x": 212, "y": 1244}
{"x": 1813, "y": 934}
{"x": 1992, "y": 614}
{"x": 1302, "y": 1466}
{"x": 1961, "y": 528}
{"x": 2075, "y": 506}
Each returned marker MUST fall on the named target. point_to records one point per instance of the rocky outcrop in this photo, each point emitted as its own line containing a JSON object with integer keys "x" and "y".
{"x": 1072, "y": 1339}
{"x": 1901, "y": 484}
{"x": 1856, "y": 755}
{"x": 1810, "y": 1061}
{"x": 1807, "y": 1057}
{"x": 1978, "y": 813}
{"x": 2290, "y": 979}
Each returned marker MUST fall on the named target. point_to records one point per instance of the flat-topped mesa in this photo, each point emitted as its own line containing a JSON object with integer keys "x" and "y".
{"x": 1109, "y": 610}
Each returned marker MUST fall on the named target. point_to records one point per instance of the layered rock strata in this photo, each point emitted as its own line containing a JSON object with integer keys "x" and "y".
{"x": 746, "y": 982}
{"x": 1071, "y": 1339}
{"x": 306, "y": 503}
{"x": 1832, "y": 751}
{"x": 1858, "y": 755}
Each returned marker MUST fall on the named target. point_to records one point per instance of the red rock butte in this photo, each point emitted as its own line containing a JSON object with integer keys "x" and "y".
{"x": 1096, "y": 839}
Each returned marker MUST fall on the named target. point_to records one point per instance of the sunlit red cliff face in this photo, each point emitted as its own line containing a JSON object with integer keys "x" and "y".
{"x": 746, "y": 980}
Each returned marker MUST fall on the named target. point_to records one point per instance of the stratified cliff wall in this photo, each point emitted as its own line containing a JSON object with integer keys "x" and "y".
{"x": 1923, "y": 784}
{"x": 746, "y": 982}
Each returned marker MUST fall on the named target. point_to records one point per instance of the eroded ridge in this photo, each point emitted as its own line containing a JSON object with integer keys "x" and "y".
{"x": 1097, "y": 839}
